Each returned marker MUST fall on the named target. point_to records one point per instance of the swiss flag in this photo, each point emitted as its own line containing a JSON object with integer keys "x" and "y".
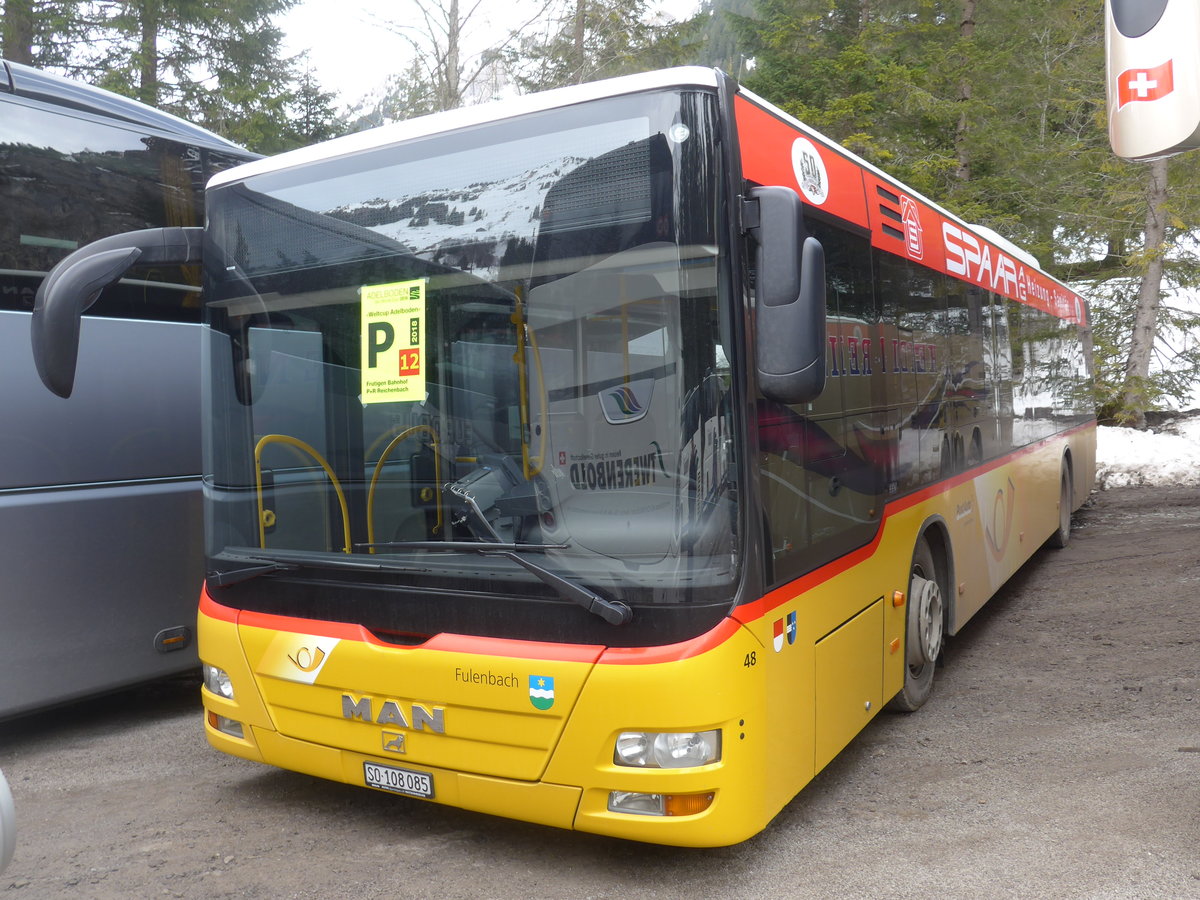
{"x": 1134, "y": 85}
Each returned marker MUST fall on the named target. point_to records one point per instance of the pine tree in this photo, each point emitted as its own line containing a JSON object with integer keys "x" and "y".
{"x": 585, "y": 40}
{"x": 41, "y": 33}
{"x": 312, "y": 116}
{"x": 214, "y": 62}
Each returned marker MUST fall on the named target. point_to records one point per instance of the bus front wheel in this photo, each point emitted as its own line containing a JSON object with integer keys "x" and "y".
{"x": 924, "y": 629}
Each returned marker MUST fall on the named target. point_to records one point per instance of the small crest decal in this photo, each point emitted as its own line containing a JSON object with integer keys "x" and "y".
{"x": 541, "y": 691}
{"x": 791, "y": 627}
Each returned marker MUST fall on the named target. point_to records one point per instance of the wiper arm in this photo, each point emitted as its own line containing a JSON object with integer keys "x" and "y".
{"x": 289, "y": 562}
{"x": 612, "y": 611}
{"x": 223, "y": 579}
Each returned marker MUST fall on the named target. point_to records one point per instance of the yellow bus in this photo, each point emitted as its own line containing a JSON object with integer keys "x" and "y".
{"x": 606, "y": 458}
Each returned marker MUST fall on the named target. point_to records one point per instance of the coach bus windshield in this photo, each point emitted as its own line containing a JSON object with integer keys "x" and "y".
{"x": 510, "y": 336}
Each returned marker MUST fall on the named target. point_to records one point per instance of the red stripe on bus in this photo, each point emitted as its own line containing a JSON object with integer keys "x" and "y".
{"x": 640, "y": 656}
{"x": 751, "y": 612}
{"x": 513, "y": 649}
{"x": 446, "y": 643}
{"x": 214, "y": 610}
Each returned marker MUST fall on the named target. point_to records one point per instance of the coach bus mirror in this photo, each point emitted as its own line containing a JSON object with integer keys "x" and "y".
{"x": 77, "y": 281}
{"x": 790, "y": 300}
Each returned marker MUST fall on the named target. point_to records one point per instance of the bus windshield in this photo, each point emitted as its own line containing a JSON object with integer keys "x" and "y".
{"x": 511, "y": 335}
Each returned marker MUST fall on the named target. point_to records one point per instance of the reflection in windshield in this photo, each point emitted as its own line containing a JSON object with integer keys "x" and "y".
{"x": 506, "y": 337}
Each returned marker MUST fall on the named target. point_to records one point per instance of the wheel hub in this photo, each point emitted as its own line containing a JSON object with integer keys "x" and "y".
{"x": 925, "y": 622}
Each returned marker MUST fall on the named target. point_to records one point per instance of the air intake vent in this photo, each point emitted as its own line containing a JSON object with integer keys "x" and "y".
{"x": 889, "y": 208}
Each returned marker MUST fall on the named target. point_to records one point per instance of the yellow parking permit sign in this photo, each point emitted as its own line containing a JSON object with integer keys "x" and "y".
{"x": 393, "y": 342}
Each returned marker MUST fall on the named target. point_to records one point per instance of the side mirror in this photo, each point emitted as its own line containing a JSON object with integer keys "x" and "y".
{"x": 789, "y": 325}
{"x": 76, "y": 282}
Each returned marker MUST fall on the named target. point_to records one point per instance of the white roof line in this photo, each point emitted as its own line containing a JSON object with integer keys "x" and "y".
{"x": 467, "y": 116}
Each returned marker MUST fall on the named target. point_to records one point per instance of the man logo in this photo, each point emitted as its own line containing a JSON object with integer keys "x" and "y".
{"x": 393, "y": 742}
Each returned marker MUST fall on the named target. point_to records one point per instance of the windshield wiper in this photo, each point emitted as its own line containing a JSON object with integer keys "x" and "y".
{"x": 612, "y": 611}
{"x": 223, "y": 579}
{"x": 277, "y": 562}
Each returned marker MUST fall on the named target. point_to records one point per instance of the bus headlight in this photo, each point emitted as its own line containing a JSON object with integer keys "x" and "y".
{"x": 217, "y": 681}
{"x": 667, "y": 749}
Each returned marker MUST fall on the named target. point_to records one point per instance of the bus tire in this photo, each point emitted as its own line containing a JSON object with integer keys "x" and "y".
{"x": 924, "y": 629}
{"x": 1066, "y": 500}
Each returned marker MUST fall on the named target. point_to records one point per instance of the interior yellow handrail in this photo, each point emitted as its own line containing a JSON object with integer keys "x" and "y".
{"x": 531, "y": 465}
{"x": 543, "y": 403}
{"x": 296, "y": 444}
{"x": 383, "y": 457}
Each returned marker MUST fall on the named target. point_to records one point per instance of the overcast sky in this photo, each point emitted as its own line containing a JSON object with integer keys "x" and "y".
{"x": 352, "y": 54}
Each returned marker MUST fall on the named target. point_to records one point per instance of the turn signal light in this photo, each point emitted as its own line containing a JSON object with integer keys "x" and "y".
{"x": 687, "y": 804}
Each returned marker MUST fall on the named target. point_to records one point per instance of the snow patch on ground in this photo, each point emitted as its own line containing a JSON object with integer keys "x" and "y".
{"x": 1170, "y": 455}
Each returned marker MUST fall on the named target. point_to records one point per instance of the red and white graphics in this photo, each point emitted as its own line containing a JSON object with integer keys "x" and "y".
{"x": 777, "y": 150}
{"x": 1144, "y": 85}
{"x": 1152, "y": 64}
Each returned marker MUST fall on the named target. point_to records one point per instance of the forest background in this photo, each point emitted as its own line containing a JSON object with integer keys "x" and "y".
{"x": 996, "y": 110}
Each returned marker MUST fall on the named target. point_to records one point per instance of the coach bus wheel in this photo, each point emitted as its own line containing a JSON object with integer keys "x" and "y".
{"x": 1066, "y": 498}
{"x": 924, "y": 630}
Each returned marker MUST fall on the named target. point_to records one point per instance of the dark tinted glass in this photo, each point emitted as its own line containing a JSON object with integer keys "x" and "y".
{"x": 66, "y": 180}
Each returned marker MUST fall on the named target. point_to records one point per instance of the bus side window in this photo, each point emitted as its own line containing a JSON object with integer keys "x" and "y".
{"x": 824, "y": 465}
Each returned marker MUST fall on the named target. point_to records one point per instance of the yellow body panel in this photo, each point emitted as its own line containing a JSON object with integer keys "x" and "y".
{"x": 788, "y": 685}
{"x": 849, "y": 681}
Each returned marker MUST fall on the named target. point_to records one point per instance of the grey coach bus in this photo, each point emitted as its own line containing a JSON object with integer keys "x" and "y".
{"x": 101, "y": 541}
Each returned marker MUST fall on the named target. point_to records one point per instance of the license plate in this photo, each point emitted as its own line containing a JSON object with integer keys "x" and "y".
{"x": 398, "y": 781}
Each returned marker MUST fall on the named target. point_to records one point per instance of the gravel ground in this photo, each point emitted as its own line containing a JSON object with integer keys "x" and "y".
{"x": 1058, "y": 757}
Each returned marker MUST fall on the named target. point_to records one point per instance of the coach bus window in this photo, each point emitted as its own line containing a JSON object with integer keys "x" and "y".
{"x": 75, "y": 181}
{"x": 824, "y": 465}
